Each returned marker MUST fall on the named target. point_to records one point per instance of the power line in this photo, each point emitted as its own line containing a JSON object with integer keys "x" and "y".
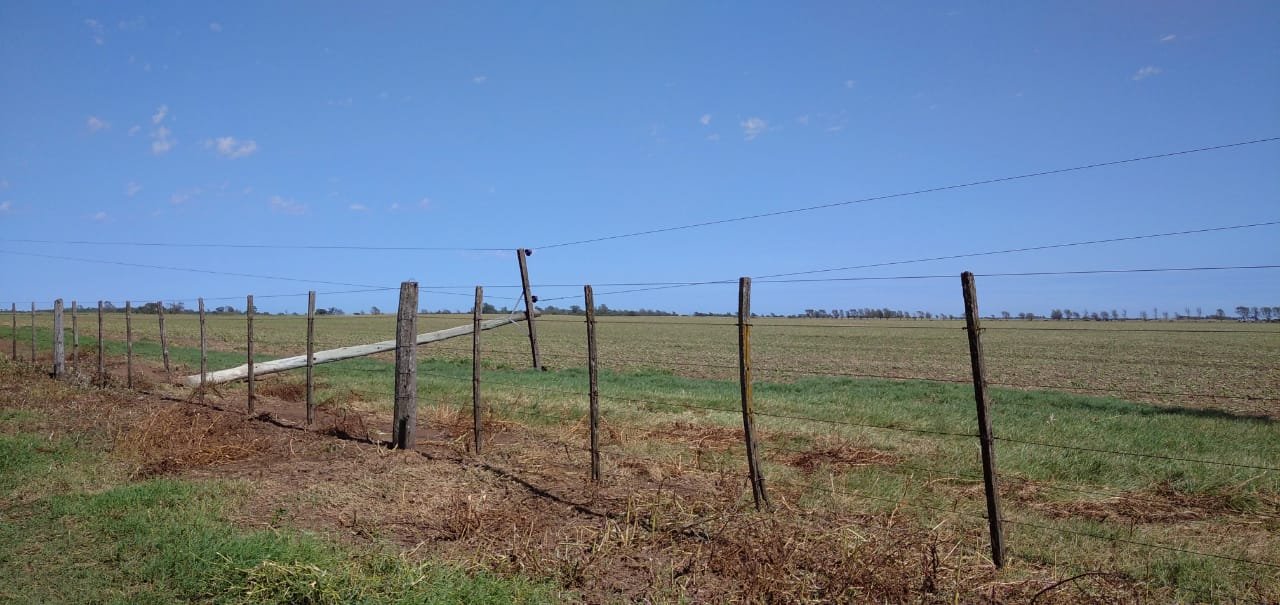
{"x": 906, "y": 194}
{"x": 258, "y": 246}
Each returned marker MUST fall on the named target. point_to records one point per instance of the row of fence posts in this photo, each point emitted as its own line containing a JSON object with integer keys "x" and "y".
{"x": 404, "y": 414}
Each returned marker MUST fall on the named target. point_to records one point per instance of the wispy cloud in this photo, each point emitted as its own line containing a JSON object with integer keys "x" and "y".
{"x": 94, "y": 26}
{"x": 479, "y": 79}
{"x": 95, "y": 124}
{"x": 753, "y": 127}
{"x": 705, "y": 120}
{"x": 232, "y": 148}
{"x": 132, "y": 189}
{"x": 358, "y": 208}
{"x": 161, "y": 113}
{"x": 99, "y": 217}
{"x": 715, "y": 136}
{"x": 138, "y": 23}
{"x": 803, "y": 120}
{"x": 162, "y": 140}
{"x": 1147, "y": 72}
{"x": 1169, "y": 38}
{"x": 215, "y": 27}
{"x": 182, "y": 197}
{"x": 394, "y": 207}
{"x": 849, "y": 83}
{"x": 425, "y": 203}
{"x": 135, "y": 129}
{"x": 347, "y": 102}
{"x": 287, "y": 206}
{"x": 6, "y": 207}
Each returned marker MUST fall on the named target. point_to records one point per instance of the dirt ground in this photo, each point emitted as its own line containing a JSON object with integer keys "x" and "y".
{"x": 652, "y": 531}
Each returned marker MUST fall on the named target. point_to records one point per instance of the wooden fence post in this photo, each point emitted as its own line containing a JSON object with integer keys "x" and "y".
{"x": 995, "y": 520}
{"x": 128, "y": 343}
{"x": 59, "y": 350}
{"x": 522, "y": 254}
{"x": 405, "y": 415}
{"x": 204, "y": 349}
{"x": 13, "y": 330}
{"x": 593, "y": 381}
{"x": 248, "y": 316}
{"x": 33, "y": 333}
{"x": 164, "y": 341}
{"x": 311, "y": 356}
{"x": 744, "y": 379}
{"x": 102, "y": 362}
{"x": 75, "y": 337}
{"x": 476, "y": 316}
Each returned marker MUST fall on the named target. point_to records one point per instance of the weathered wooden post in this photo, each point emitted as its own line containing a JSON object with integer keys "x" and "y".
{"x": 204, "y": 349}
{"x": 744, "y": 378}
{"x": 33, "y": 333}
{"x": 75, "y": 337}
{"x": 128, "y": 343}
{"x": 164, "y": 341}
{"x": 59, "y": 352}
{"x": 102, "y": 362}
{"x": 593, "y": 383}
{"x": 995, "y": 521}
{"x": 248, "y": 316}
{"x": 522, "y": 254}
{"x": 311, "y": 356}
{"x": 476, "y": 412}
{"x": 405, "y": 414}
{"x": 13, "y": 330}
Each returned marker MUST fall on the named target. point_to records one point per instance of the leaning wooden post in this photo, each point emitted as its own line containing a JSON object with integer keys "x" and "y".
{"x": 59, "y": 352}
{"x": 102, "y": 362}
{"x": 248, "y": 316}
{"x": 33, "y": 333}
{"x": 522, "y": 254}
{"x": 13, "y": 330}
{"x": 405, "y": 414}
{"x": 204, "y": 349}
{"x": 476, "y": 316}
{"x": 75, "y": 337}
{"x": 128, "y": 344}
{"x": 593, "y": 384}
{"x": 311, "y": 356}
{"x": 164, "y": 341}
{"x": 995, "y": 521}
{"x": 744, "y": 379}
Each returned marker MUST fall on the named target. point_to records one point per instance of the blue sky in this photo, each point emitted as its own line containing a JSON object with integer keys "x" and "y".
{"x": 496, "y": 125}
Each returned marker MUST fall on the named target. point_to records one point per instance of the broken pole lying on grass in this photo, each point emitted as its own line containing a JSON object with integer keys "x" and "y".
{"x": 292, "y": 363}
{"x": 744, "y": 380}
{"x": 59, "y": 348}
{"x": 995, "y": 521}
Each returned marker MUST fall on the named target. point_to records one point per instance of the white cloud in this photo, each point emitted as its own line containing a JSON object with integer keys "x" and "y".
{"x": 162, "y": 141}
{"x": 1147, "y": 72}
{"x": 1169, "y": 38}
{"x": 231, "y": 148}
{"x": 161, "y": 113}
{"x": 753, "y": 127}
{"x": 215, "y": 27}
{"x": 358, "y": 208}
{"x": 803, "y": 120}
{"x": 95, "y": 124}
{"x": 99, "y": 217}
{"x": 479, "y": 79}
{"x": 424, "y": 203}
{"x": 287, "y": 206}
{"x": 394, "y": 207}
{"x": 6, "y": 207}
{"x": 132, "y": 189}
{"x": 849, "y": 83}
{"x": 96, "y": 28}
{"x": 135, "y": 129}
{"x": 705, "y": 120}
{"x": 138, "y": 23}
{"x": 181, "y": 197}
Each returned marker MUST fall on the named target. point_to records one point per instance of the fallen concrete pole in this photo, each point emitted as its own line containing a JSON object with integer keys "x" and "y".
{"x": 300, "y": 361}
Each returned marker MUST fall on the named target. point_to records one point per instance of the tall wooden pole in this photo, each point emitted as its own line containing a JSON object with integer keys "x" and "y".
{"x": 164, "y": 341}
{"x": 59, "y": 350}
{"x": 248, "y": 317}
{"x": 476, "y": 412}
{"x": 75, "y": 336}
{"x": 522, "y": 254}
{"x": 744, "y": 379}
{"x": 204, "y": 349}
{"x": 405, "y": 414}
{"x": 33, "y": 332}
{"x": 994, "y": 518}
{"x": 311, "y": 356}
{"x": 128, "y": 343}
{"x": 593, "y": 381}
{"x": 13, "y": 330}
{"x": 102, "y": 362}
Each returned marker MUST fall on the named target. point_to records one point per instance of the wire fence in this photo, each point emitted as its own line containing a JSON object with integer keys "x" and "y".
{"x": 855, "y": 414}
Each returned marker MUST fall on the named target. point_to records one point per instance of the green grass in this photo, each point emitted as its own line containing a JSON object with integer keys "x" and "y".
{"x": 165, "y": 541}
